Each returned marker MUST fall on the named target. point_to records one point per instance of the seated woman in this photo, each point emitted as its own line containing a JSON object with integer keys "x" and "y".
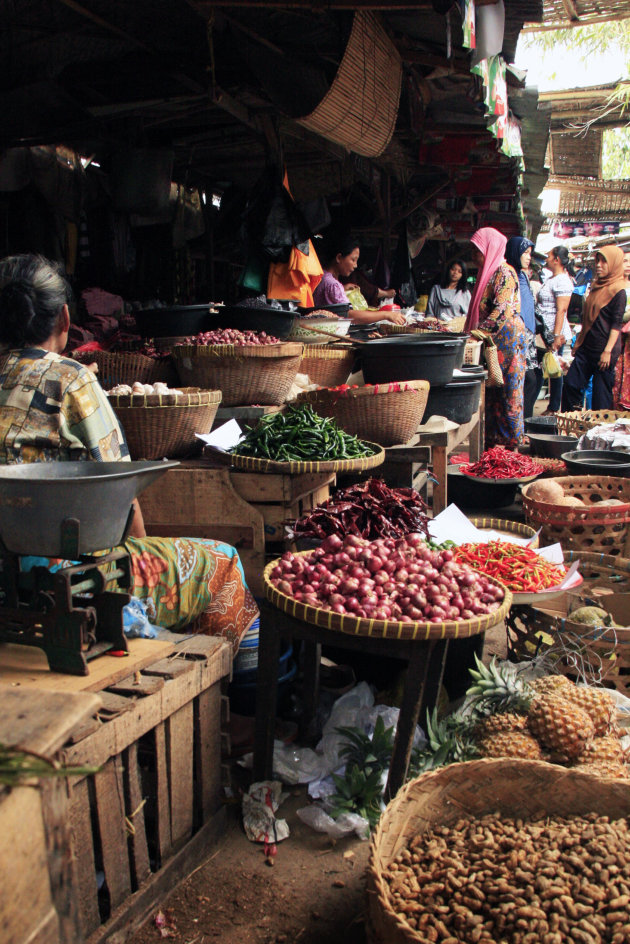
{"x": 451, "y": 298}
{"x": 340, "y": 261}
{"x": 53, "y": 408}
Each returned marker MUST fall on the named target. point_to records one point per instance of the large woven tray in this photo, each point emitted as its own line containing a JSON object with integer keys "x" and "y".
{"x": 252, "y": 374}
{"x": 388, "y": 413}
{"x": 253, "y": 464}
{"x": 591, "y": 528}
{"x": 579, "y": 422}
{"x": 383, "y": 629}
{"x": 506, "y": 527}
{"x": 516, "y": 788}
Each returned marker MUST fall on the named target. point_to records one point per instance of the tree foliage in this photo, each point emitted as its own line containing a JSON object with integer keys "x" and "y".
{"x": 616, "y": 154}
{"x": 586, "y": 41}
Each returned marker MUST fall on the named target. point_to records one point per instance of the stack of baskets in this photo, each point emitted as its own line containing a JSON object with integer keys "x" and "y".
{"x": 326, "y": 364}
{"x": 388, "y": 414}
{"x": 580, "y": 421}
{"x": 251, "y": 374}
{"x": 163, "y": 426}
{"x": 592, "y": 528}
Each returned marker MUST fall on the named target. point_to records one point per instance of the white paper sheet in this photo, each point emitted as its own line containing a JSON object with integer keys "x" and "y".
{"x": 224, "y": 437}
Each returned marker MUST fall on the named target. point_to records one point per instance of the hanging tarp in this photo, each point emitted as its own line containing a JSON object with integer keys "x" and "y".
{"x": 359, "y": 110}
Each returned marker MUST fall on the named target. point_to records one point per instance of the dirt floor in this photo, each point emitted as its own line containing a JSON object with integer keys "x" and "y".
{"x": 314, "y": 893}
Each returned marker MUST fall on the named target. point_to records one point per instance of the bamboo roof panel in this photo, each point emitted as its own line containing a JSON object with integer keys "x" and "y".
{"x": 563, "y": 14}
{"x": 576, "y": 156}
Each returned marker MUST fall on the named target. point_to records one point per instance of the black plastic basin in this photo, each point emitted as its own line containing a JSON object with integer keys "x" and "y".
{"x": 177, "y": 321}
{"x": 598, "y": 462}
{"x": 272, "y": 320}
{"x": 457, "y": 401}
{"x": 468, "y": 493}
{"x": 411, "y": 357}
{"x": 541, "y": 424}
{"x": 550, "y": 446}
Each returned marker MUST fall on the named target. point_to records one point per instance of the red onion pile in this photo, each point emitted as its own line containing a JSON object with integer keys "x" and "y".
{"x": 399, "y": 579}
{"x": 232, "y": 336}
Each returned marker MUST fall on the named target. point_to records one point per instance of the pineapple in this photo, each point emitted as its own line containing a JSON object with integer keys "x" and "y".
{"x": 510, "y": 744}
{"x": 493, "y": 724}
{"x": 496, "y": 690}
{"x": 560, "y": 725}
{"x": 605, "y": 768}
{"x": 603, "y": 749}
{"x": 551, "y": 684}
{"x": 597, "y": 703}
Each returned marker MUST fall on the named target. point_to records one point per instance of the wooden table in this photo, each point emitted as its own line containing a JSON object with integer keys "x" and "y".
{"x": 425, "y": 658}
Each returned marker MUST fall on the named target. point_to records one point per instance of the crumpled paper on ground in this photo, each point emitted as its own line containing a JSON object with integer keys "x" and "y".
{"x": 259, "y": 808}
{"x": 437, "y": 424}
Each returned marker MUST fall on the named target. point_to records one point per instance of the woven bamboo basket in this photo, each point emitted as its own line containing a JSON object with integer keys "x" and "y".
{"x": 247, "y": 375}
{"x": 472, "y": 351}
{"x": 383, "y": 629}
{"x": 580, "y": 421}
{"x": 456, "y": 326}
{"x": 327, "y": 365}
{"x": 164, "y": 426}
{"x": 388, "y": 414}
{"x": 590, "y": 529}
{"x": 506, "y": 527}
{"x": 516, "y": 788}
{"x": 127, "y": 367}
{"x": 599, "y": 654}
{"x": 298, "y": 467}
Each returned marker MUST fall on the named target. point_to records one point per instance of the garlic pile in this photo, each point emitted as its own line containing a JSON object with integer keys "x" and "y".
{"x": 142, "y": 389}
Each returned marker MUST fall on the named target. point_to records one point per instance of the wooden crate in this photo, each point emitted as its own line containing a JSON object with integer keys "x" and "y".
{"x": 146, "y": 818}
{"x": 282, "y": 498}
{"x": 37, "y": 897}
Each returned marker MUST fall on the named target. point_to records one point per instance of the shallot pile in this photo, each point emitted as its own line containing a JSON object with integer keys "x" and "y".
{"x": 232, "y": 336}
{"x": 399, "y": 579}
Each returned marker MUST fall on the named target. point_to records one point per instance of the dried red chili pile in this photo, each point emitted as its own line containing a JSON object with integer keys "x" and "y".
{"x": 518, "y": 568}
{"x": 370, "y": 510}
{"x": 502, "y": 463}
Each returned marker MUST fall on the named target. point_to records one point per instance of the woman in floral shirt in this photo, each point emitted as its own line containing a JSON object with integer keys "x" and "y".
{"x": 495, "y": 308}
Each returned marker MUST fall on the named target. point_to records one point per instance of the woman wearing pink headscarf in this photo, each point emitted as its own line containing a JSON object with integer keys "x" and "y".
{"x": 495, "y": 307}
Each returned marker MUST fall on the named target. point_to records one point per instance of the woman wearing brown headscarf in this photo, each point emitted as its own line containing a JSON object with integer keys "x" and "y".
{"x": 599, "y": 343}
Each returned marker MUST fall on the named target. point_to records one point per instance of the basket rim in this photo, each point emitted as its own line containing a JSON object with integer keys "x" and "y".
{"x": 384, "y": 629}
{"x": 327, "y": 352}
{"x": 475, "y": 771}
{"x": 282, "y": 349}
{"x": 198, "y": 396}
{"x": 576, "y": 480}
{"x": 400, "y": 386}
{"x": 255, "y": 464}
{"x": 504, "y": 524}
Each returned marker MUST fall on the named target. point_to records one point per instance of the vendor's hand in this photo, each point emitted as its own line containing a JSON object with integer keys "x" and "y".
{"x": 350, "y": 286}
{"x": 604, "y": 360}
{"x": 396, "y": 317}
{"x": 386, "y": 292}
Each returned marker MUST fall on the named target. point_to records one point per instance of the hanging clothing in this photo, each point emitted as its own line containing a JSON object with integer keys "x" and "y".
{"x": 492, "y": 244}
{"x": 296, "y": 279}
{"x": 499, "y": 308}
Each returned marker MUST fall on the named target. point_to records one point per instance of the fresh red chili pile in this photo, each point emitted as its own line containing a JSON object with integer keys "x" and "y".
{"x": 393, "y": 387}
{"x": 369, "y": 510}
{"x": 519, "y": 568}
{"x": 502, "y": 463}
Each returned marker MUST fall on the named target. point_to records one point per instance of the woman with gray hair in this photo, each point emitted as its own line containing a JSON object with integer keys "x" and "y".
{"x": 53, "y": 408}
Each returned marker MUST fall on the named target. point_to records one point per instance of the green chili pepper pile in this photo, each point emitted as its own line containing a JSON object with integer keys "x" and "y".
{"x": 301, "y": 435}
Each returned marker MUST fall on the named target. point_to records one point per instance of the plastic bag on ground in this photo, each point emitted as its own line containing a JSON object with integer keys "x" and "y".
{"x": 319, "y": 820}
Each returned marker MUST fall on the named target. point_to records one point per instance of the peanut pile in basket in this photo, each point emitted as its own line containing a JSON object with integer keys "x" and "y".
{"x": 546, "y": 881}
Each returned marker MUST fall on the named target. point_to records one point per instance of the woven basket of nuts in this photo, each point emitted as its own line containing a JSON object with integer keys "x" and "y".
{"x": 516, "y": 851}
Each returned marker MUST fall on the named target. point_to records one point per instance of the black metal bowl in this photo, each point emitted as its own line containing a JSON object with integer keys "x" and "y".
{"x": 468, "y": 493}
{"x": 411, "y": 357}
{"x": 176, "y": 321}
{"x": 541, "y": 424}
{"x": 550, "y": 446}
{"x": 274, "y": 321}
{"x": 457, "y": 401}
{"x": 598, "y": 462}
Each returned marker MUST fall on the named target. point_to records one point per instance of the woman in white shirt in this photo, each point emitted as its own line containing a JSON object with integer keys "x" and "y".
{"x": 451, "y": 298}
{"x": 552, "y": 303}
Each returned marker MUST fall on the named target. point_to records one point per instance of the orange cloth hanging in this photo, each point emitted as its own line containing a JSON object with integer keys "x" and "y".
{"x": 297, "y": 278}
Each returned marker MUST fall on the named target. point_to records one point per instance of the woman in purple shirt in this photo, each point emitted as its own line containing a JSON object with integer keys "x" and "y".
{"x": 341, "y": 261}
